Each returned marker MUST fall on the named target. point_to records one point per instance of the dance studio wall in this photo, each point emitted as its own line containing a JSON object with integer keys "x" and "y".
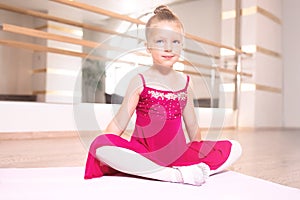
{"x": 291, "y": 45}
{"x": 15, "y": 63}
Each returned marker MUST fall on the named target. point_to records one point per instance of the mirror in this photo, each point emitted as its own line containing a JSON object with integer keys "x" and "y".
{"x": 74, "y": 64}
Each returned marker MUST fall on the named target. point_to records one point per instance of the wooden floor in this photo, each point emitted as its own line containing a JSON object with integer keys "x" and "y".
{"x": 272, "y": 155}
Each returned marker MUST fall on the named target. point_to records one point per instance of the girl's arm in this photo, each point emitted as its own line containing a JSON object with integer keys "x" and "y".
{"x": 190, "y": 118}
{"x": 120, "y": 121}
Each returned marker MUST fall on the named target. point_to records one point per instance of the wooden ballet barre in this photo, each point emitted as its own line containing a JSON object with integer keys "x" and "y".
{"x": 41, "y": 34}
{"x": 100, "y": 11}
{"x": 217, "y": 68}
{"x": 46, "y": 35}
{"x": 268, "y": 88}
{"x": 81, "y": 25}
{"x": 61, "y": 20}
{"x": 87, "y": 43}
{"x": 137, "y": 21}
{"x": 197, "y": 73}
{"x": 51, "y": 36}
{"x": 201, "y": 53}
{"x": 36, "y": 47}
{"x": 231, "y": 71}
{"x": 216, "y": 44}
{"x": 41, "y": 48}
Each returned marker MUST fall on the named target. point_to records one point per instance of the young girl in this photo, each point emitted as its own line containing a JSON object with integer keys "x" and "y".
{"x": 161, "y": 97}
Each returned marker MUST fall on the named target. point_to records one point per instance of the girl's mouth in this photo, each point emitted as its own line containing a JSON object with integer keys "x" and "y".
{"x": 168, "y": 57}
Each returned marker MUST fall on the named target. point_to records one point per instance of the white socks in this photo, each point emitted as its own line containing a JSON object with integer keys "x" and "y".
{"x": 194, "y": 174}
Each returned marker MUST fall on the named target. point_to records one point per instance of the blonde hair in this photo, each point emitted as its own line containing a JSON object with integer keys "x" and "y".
{"x": 162, "y": 13}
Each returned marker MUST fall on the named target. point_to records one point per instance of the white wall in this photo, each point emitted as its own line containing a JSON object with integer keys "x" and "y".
{"x": 291, "y": 57}
{"x": 201, "y": 18}
{"x": 43, "y": 117}
{"x": 268, "y": 69}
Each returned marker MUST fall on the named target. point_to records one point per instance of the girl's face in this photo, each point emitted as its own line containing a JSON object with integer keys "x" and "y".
{"x": 165, "y": 40}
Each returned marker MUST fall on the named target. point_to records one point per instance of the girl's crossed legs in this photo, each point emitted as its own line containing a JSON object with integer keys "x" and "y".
{"x": 130, "y": 162}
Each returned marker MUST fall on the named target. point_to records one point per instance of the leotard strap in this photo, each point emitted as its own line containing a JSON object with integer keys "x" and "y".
{"x": 187, "y": 81}
{"x": 143, "y": 79}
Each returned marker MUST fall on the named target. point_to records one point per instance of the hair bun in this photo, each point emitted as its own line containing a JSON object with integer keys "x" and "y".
{"x": 161, "y": 9}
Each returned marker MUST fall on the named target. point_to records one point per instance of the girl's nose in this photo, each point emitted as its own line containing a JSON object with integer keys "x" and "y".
{"x": 168, "y": 47}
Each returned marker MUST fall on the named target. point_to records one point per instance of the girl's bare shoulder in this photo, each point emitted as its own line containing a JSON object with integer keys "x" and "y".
{"x": 136, "y": 83}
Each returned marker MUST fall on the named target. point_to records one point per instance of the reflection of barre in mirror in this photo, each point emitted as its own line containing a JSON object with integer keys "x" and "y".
{"x": 162, "y": 99}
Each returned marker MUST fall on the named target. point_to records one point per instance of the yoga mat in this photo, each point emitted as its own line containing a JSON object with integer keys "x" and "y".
{"x": 68, "y": 183}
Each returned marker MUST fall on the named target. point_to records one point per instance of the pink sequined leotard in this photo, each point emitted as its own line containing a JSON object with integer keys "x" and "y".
{"x": 159, "y": 136}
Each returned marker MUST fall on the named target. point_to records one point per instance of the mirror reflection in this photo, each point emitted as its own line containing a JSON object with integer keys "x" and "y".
{"x": 84, "y": 56}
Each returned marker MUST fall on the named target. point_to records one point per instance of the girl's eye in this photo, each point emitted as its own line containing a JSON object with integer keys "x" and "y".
{"x": 159, "y": 42}
{"x": 176, "y": 42}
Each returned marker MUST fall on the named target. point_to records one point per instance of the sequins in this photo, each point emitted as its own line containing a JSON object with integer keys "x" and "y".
{"x": 156, "y": 94}
{"x": 163, "y": 105}
{"x": 181, "y": 96}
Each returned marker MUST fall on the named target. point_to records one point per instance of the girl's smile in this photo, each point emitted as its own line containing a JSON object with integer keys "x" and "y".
{"x": 168, "y": 57}
{"x": 165, "y": 43}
